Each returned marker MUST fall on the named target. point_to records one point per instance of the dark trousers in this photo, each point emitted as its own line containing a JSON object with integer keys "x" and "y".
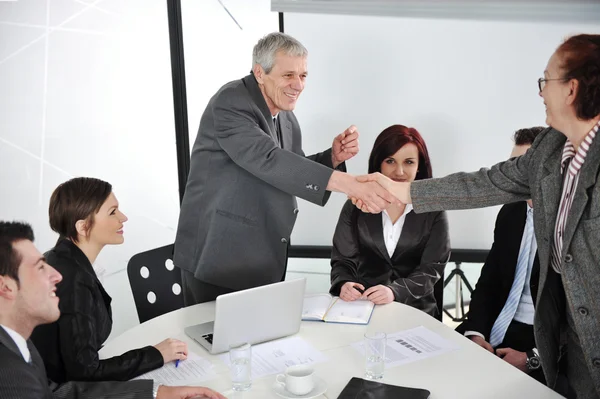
{"x": 196, "y": 291}
{"x": 519, "y": 336}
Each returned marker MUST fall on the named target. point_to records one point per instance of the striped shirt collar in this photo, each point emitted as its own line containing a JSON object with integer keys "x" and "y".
{"x": 574, "y": 159}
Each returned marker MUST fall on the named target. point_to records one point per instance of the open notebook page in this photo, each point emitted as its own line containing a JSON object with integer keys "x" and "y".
{"x": 358, "y": 311}
{"x": 315, "y": 306}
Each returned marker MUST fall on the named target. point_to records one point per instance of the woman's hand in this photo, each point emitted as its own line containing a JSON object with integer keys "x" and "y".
{"x": 349, "y": 291}
{"x": 172, "y": 349}
{"x": 400, "y": 190}
{"x": 379, "y": 294}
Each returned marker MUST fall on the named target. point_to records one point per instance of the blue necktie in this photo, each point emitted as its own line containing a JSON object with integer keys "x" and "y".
{"x": 514, "y": 296}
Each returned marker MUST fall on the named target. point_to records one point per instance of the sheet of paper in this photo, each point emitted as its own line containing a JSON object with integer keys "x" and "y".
{"x": 315, "y": 306}
{"x": 190, "y": 371}
{"x": 275, "y": 356}
{"x": 358, "y": 311}
{"x": 408, "y": 346}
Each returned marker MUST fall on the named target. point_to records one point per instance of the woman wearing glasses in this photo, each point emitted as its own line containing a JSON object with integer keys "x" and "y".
{"x": 560, "y": 173}
{"x": 398, "y": 255}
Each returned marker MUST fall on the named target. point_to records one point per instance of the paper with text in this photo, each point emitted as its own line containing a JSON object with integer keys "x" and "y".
{"x": 190, "y": 371}
{"x": 408, "y": 346}
{"x": 275, "y": 356}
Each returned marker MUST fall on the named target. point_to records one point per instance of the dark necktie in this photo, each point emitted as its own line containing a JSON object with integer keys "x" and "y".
{"x": 278, "y": 131}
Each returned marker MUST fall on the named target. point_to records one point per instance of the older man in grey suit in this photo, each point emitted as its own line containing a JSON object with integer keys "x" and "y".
{"x": 247, "y": 167}
{"x": 560, "y": 174}
{"x": 28, "y": 299}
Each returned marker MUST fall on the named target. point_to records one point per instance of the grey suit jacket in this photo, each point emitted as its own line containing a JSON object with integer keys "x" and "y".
{"x": 21, "y": 380}
{"x": 239, "y": 206}
{"x": 537, "y": 175}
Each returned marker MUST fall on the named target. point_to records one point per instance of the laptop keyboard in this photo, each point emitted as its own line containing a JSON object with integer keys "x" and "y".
{"x": 208, "y": 337}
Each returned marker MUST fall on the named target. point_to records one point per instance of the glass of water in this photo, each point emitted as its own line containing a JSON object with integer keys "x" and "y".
{"x": 241, "y": 366}
{"x": 375, "y": 355}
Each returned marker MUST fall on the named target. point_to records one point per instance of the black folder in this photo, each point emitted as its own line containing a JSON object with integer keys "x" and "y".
{"x": 357, "y": 388}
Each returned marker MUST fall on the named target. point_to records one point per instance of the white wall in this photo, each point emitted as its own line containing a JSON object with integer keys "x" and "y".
{"x": 217, "y": 50}
{"x": 466, "y": 85}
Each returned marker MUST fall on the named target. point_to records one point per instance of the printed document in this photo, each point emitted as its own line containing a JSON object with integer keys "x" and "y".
{"x": 192, "y": 370}
{"x": 275, "y": 356}
{"x": 408, "y": 346}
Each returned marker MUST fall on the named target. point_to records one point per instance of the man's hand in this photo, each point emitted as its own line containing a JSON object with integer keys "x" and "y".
{"x": 400, "y": 190}
{"x": 165, "y": 392}
{"x": 373, "y": 198}
{"x": 345, "y": 146}
{"x": 349, "y": 291}
{"x": 379, "y": 294}
{"x": 516, "y": 358}
{"x": 481, "y": 342}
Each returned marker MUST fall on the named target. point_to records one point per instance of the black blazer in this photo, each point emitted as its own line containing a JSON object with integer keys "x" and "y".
{"x": 70, "y": 345}
{"x": 498, "y": 272}
{"x": 359, "y": 255}
{"x": 21, "y": 380}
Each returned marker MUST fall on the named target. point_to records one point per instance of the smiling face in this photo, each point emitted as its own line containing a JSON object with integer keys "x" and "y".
{"x": 282, "y": 86}
{"x": 403, "y": 165}
{"x": 557, "y": 95}
{"x": 35, "y": 300}
{"x": 108, "y": 223}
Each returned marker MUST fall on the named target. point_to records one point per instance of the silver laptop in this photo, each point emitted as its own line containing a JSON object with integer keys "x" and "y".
{"x": 254, "y": 315}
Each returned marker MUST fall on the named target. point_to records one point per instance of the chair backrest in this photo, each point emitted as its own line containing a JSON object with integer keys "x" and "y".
{"x": 155, "y": 282}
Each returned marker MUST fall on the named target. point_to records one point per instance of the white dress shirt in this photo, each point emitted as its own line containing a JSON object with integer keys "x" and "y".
{"x": 392, "y": 231}
{"x": 20, "y": 341}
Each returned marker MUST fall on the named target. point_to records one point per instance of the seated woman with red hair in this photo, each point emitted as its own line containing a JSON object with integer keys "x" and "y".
{"x": 396, "y": 255}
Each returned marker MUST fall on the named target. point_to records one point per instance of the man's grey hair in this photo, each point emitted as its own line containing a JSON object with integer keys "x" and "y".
{"x": 265, "y": 50}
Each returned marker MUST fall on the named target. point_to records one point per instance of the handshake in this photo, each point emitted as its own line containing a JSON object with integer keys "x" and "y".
{"x": 375, "y": 192}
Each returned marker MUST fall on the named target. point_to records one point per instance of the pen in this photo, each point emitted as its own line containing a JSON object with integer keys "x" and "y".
{"x": 176, "y": 363}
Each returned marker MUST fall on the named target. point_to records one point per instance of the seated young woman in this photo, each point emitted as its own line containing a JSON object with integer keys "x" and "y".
{"x": 85, "y": 213}
{"x": 396, "y": 255}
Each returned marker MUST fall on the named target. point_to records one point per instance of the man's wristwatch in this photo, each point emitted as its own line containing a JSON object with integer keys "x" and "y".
{"x": 533, "y": 360}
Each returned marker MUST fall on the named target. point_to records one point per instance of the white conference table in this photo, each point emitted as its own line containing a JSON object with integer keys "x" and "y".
{"x": 469, "y": 372}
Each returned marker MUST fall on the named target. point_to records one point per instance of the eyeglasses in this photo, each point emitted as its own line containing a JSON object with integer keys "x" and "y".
{"x": 542, "y": 82}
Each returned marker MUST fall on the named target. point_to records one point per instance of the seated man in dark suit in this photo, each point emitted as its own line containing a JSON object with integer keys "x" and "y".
{"x": 28, "y": 299}
{"x": 501, "y": 312}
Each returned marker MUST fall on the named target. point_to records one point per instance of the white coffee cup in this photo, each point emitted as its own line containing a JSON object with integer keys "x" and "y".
{"x": 297, "y": 380}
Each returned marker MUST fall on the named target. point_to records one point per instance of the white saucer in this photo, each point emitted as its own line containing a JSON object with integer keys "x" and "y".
{"x": 319, "y": 389}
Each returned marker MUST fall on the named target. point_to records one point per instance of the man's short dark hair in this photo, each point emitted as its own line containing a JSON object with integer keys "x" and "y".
{"x": 527, "y": 135}
{"x": 10, "y": 259}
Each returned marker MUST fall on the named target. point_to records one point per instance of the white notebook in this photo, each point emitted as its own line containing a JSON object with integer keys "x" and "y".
{"x": 332, "y": 309}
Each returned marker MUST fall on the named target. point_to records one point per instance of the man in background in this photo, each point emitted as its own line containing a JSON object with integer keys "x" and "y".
{"x": 500, "y": 317}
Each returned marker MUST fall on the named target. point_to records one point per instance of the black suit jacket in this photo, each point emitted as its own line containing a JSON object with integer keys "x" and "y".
{"x": 70, "y": 345}
{"x": 498, "y": 272}
{"x": 359, "y": 254}
{"x": 21, "y": 380}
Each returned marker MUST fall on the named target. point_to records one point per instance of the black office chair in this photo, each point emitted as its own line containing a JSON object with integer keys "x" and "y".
{"x": 155, "y": 282}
